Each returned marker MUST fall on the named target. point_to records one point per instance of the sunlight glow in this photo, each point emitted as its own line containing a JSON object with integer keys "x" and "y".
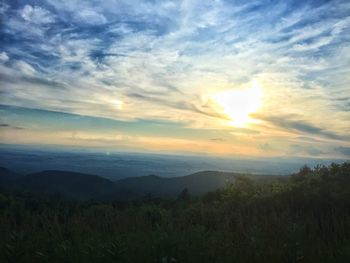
{"x": 238, "y": 104}
{"x": 118, "y": 104}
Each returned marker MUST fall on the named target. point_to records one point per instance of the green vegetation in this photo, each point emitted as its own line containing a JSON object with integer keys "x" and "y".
{"x": 305, "y": 218}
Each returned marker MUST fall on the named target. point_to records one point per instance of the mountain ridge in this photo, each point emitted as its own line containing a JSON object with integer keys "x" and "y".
{"x": 83, "y": 186}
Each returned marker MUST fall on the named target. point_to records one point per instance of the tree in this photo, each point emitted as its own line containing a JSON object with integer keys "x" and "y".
{"x": 184, "y": 195}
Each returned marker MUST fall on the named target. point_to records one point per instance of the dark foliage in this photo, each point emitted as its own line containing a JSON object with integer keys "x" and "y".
{"x": 303, "y": 219}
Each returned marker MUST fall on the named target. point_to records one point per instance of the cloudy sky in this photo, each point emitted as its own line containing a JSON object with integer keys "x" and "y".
{"x": 252, "y": 78}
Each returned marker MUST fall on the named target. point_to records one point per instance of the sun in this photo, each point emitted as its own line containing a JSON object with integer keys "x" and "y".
{"x": 239, "y": 104}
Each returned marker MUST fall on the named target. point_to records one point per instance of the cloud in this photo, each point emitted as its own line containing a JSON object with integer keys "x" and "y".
{"x": 28, "y": 23}
{"x": 24, "y": 68}
{"x": 165, "y": 59}
{"x": 265, "y": 147}
{"x": 343, "y": 150}
{"x": 217, "y": 139}
{"x": 4, "y": 57}
{"x": 5, "y": 125}
{"x": 342, "y": 103}
{"x": 299, "y": 125}
{"x": 3, "y": 7}
{"x": 108, "y": 140}
{"x": 89, "y": 16}
{"x": 36, "y": 15}
{"x": 310, "y": 150}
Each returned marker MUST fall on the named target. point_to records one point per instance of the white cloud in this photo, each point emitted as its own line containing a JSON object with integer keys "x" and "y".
{"x": 168, "y": 58}
{"x": 36, "y": 15}
{"x": 29, "y": 22}
{"x": 3, "y": 8}
{"x": 89, "y": 16}
{"x": 24, "y": 68}
{"x": 315, "y": 45}
{"x": 4, "y": 57}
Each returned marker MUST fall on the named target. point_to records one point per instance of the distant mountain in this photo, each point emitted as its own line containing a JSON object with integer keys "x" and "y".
{"x": 69, "y": 184}
{"x": 81, "y": 186}
{"x": 197, "y": 184}
{"x": 8, "y": 178}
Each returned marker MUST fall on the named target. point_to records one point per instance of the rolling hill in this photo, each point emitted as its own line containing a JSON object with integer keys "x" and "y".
{"x": 197, "y": 184}
{"x": 8, "y": 178}
{"x": 68, "y": 184}
{"x": 79, "y": 186}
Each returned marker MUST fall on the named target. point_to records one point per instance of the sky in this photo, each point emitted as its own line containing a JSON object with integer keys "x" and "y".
{"x": 229, "y": 78}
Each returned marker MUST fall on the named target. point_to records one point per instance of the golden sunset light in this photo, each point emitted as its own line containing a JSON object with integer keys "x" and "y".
{"x": 238, "y": 104}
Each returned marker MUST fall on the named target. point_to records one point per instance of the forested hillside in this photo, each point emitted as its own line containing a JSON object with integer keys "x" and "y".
{"x": 305, "y": 218}
{"x": 81, "y": 186}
